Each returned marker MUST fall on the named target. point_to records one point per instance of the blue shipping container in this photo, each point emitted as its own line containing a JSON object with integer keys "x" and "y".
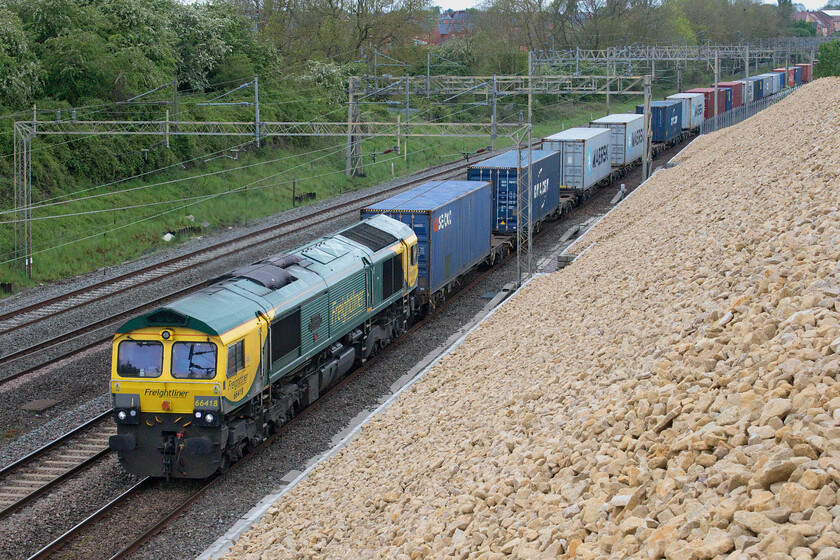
{"x": 501, "y": 172}
{"x": 727, "y": 98}
{"x": 665, "y": 119}
{"x": 797, "y": 75}
{"x": 758, "y": 88}
{"x": 452, "y": 222}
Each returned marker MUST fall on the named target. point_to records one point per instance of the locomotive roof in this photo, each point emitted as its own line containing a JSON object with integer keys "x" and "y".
{"x": 240, "y": 296}
{"x": 429, "y": 196}
{"x": 508, "y": 159}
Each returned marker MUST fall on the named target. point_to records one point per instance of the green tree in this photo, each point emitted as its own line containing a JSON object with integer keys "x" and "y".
{"x": 802, "y": 29}
{"x": 20, "y": 73}
{"x": 828, "y": 60}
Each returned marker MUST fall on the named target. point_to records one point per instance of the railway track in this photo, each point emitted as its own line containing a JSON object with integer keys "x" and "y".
{"x": 78, "y": 532}
{"x": 44, "y": 469}
{"x": 25, "y": 316}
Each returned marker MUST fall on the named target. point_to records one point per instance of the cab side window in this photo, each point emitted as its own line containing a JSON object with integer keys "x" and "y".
{"x": 235, "y": 358}
{"x": 414, "y": 255}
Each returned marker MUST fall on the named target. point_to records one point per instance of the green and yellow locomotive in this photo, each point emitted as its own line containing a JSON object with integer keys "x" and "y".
{"x": 200, "y": 382}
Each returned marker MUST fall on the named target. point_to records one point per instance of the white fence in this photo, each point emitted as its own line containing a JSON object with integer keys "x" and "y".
{"x": 743, "y": 112}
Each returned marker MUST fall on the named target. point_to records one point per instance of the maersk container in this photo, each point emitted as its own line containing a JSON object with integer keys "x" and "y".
{"x": 665, "y": 119}
{"x": 501, "y": 172}
{"x": 694, "y": 109}
{"x": 451, "y": 220}
{"x": 627, "y": 136}
{"x": 737, "y": 92}
{"x": 584, "y": 157}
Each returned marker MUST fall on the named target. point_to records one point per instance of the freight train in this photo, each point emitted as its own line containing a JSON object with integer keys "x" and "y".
{"x": 199, "y": 383}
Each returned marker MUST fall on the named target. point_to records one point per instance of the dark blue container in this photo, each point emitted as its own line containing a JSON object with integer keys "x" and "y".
{"x": 758, "y": 88}
{"x": 501, "y": 171}
{"x": 451, "y": 220}
{"x": 727, "y": 96}
{"x": 797, "y": 75}
{"x": 665, "y": 119}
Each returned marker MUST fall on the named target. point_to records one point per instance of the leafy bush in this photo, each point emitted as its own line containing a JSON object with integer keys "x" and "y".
{"x": 828, "y": 60}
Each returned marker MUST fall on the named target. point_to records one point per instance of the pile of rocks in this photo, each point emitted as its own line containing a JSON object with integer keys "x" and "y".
{"x": 673, "y": 393}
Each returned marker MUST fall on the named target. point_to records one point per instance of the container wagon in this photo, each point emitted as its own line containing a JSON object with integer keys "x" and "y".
{"x": 584, "y": 158}
{"x": 452, "y": 222}
{"x": 708, "y": 96}
{"x": 627, "y": 137}
{"x": 501, "y": 171}
{"x": 737, "y": 92}
{"x": 665, "y": 119}
{"x": 694, "y": 109}
{"x": 807, "y": 72}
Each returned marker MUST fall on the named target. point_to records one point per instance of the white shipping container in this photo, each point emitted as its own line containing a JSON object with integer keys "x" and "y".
{"x": 750, "y": 94}
{"x": 627, "y": 140}
{"x": 694, "y": 107}
{"x": 584, "y": 156}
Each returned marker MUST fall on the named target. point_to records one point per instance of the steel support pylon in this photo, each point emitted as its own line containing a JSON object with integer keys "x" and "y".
{"x": 524, "y": 221}
{"x": 23, "y": 195}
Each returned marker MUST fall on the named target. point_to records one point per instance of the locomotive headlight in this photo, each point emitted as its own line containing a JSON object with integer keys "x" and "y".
{"x": 165, "y": 335}
{"x": 209, "y": 417}
{"x": 198, "y": 414}
{"x": 122, "y": 415}
{"x": 132, "y": 413}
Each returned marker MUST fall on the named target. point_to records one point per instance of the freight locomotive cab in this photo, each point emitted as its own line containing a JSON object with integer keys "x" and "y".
{"x": 199, "y": 383}
{"x": 167, "y": 394}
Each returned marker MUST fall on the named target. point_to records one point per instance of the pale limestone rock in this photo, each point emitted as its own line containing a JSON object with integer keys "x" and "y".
{"x": 755, "y": 522}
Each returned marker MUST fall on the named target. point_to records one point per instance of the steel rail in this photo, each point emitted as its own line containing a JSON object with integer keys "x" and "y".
{"x": 40, "y": 451}
{"x": 63, "y": 539}
{"x": 45, "y": 450}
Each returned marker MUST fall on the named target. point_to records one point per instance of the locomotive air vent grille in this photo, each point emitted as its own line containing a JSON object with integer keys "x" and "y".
{"x": 369, "y": 236}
